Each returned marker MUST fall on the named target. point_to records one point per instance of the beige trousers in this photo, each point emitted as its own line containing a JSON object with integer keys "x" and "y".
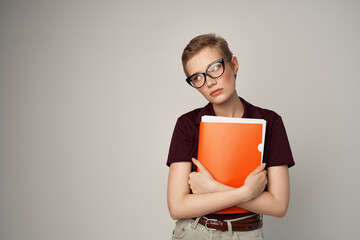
{"x": 189, "y": 229}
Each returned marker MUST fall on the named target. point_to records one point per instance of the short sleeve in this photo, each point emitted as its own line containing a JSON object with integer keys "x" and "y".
{"x": 180, "y": 145}
{"x": 278, "y": 146}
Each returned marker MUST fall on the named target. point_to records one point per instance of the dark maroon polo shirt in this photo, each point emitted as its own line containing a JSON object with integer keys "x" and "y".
{"x": 184, "y": 142}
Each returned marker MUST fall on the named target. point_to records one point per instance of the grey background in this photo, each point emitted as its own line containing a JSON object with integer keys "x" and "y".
{"x": 90, "y": 92}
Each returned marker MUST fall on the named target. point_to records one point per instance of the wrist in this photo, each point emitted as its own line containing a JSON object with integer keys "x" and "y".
{"x": 246, "y": 192}
{"x": 215, "y": 186}
{"x": 219, "y": 187}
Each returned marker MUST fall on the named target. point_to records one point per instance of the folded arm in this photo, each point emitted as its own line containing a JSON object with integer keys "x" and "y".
{"x": 182, "y": 204}
{"x": 273, "y": 202}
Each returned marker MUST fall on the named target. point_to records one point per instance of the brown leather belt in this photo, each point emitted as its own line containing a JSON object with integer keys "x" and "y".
{"x": 247, "y": 224}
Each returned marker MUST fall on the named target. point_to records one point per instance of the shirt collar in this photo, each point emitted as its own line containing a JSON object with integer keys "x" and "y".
{"x": 207, "y": 110}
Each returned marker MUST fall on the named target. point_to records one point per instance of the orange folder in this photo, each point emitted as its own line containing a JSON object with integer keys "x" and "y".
{"x": 230, "y": 149}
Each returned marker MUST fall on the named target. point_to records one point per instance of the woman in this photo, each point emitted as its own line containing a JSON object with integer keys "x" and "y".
{"x": 193, "y": 197}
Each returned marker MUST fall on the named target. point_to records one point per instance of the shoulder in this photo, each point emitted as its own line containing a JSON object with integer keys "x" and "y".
{"x": 253, "y": 111}
{"x": 191, "y": 115}
{"x": 186, "y": 124}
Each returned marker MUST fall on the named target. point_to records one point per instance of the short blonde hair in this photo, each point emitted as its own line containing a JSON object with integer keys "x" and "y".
{"x": 206, "y": 40}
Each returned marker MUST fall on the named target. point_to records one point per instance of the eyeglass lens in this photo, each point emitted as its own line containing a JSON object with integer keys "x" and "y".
{"x": 215, "y": 70}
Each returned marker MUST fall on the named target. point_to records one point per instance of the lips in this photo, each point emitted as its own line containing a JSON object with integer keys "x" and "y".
{"x": 216, "y": 92}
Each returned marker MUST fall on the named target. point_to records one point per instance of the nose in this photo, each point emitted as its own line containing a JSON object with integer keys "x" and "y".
{"x": 210, "y": 81}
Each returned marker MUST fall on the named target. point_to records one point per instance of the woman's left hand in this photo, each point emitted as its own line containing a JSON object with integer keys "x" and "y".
{"x": 202, "y": 181}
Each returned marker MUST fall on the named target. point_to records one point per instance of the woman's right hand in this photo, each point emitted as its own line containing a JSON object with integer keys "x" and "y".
{"x": 256, "y": 181}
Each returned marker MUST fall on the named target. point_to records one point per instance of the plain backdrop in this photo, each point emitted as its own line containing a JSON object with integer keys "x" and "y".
{"x": 90, "y": 92}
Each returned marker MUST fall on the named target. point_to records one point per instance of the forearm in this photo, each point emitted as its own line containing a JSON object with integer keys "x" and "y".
{"x": 273, "y": 202}
{"x": 195, "y": 205}
{"x": 266, "y": 204}
{"x": 182, "y": 204}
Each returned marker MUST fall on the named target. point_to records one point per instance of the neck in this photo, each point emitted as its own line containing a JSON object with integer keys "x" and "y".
{"x": 233, "y": 107}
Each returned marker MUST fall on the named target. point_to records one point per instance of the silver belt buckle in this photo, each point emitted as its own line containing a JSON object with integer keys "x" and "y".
{"x": 206, "y": 222}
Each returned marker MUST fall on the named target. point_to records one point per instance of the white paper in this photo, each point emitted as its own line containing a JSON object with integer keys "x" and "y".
{"x": 207, "y": 118}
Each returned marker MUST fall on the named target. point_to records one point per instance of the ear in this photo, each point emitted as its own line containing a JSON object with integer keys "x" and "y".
{"x": 235, "y": 64}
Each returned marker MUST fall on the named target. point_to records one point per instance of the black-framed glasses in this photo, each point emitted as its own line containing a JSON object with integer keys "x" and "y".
{"x": 214, "y": 70}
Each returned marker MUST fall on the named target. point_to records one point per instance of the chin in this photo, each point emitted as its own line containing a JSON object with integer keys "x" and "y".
{"x": 218, "y": 100}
